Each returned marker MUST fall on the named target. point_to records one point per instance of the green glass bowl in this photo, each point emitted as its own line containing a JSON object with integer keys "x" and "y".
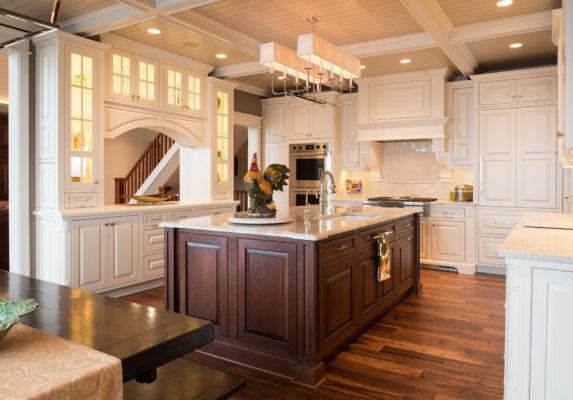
{"x": 11, "y": 311}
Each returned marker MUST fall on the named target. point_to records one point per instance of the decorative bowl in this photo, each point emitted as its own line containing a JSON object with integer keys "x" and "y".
{"x": 12, "y": 310}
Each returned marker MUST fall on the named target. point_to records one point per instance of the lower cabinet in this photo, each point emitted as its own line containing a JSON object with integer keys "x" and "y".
{"x": 106, "y": 250}
{"x": 448, "y": 240}
{"x": 405, "y": 263}
{"x": 337, "y": 295}
{"x": 267, "y": 289}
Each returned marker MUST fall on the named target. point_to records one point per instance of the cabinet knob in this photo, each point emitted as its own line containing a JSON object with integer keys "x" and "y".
{"x": 132, "y": 97}
{"x": 138, "y": 98}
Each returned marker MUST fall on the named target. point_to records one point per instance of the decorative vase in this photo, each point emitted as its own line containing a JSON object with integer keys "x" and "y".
{"x": 260, "y": 187}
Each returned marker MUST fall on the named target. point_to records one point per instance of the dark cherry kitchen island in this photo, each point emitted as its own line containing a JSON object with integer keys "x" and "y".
{"x": 286, "y": 298}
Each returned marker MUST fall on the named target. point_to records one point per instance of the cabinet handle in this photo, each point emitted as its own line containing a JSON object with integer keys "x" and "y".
{"x": 447, "y": 212}
{"x": 481, "y": 173}
{"x": 407, "y": 225}
{"x": 138, "y": 98}
{"x": 408, "y": 239}
{"x": 389, "y": 232}
{"x": 341, "y": 247}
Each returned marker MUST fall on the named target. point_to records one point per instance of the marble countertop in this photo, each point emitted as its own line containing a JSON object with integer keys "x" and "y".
{"x": 300, "y": 228}
{"x": 439, "y": 202}
{"x": 539, "y": 244}
{"x": 125, "y": 209}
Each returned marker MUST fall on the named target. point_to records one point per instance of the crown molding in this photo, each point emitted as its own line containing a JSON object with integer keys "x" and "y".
{"x": 415, "y": 41}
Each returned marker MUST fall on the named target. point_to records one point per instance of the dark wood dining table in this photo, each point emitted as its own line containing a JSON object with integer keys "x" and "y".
{"x": 143, "y": 338}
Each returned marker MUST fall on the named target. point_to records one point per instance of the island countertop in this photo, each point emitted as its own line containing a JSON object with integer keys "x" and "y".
{"x": 310, "y": 228}
{"x": 540, "y": 243}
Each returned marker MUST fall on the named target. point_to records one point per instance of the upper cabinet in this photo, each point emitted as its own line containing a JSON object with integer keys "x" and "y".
{"x": 274, "y": 120}
{"x": 461, "y": 125}
{"x": 309, "y": 121}
{"x": 181, "y": 90}
{"x": 132, "y": 79}
{"x": 540, "y": 88}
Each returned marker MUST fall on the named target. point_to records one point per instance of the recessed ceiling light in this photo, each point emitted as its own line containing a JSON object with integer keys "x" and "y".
{"x": 154, "y": 31}
{"x": 282, "y": 77}
{"x": 516, "y": 45}
{"x": 221, "y": 55}
{"x": 405, "y": 61}
{"x": 504, "y": 3}
{"x": 363, "y": 67}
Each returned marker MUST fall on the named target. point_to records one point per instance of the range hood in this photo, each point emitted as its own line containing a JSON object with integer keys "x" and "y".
{"x": 404, "y": 106}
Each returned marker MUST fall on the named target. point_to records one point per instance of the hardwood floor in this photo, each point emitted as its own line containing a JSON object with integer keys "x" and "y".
{"x": 446, "y": 344}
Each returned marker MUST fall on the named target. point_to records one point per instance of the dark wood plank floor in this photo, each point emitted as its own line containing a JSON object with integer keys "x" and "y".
{"x": 446, "y": 344}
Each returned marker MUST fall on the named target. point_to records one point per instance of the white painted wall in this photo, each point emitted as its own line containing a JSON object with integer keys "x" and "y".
{"x": 119, "y": 156}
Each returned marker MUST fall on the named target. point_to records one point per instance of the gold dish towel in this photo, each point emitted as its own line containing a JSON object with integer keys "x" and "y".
{"x": 383, "y": 257}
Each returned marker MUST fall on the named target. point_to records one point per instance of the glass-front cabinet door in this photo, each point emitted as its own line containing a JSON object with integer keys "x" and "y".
{"x": 132, "y": 78}
{"x": 81, "y": 143}
{"x": 182, "y": 91}
{"x": 223, "y": 165}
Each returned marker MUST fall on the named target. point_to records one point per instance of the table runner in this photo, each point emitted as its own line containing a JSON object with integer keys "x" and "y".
{"x": 37, "y": 365}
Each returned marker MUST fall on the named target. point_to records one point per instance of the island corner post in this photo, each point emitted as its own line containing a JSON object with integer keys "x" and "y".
{"x": 283, "y": 305}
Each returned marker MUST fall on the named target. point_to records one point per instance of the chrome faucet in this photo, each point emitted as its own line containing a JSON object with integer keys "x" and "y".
{"x": 330, "y": 188}
{"x": 307, "y": 207}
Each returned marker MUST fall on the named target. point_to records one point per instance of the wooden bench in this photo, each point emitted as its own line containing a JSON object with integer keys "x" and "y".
{"x": 182, "y": 379}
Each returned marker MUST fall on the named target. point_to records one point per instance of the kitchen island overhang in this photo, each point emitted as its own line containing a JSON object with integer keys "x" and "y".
{"x": 286, "y": 298}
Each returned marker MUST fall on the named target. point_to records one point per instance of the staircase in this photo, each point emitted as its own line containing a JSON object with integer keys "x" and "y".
{"x": 143, "y": 168}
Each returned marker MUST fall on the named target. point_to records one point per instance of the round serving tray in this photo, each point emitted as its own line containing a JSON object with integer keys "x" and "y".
{"x": 260, "y": 221}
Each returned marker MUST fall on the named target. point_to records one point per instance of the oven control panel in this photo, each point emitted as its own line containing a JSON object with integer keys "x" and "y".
{"x": 310, "y": 147}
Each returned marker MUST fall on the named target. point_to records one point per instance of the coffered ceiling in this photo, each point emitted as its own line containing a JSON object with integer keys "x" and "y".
{"x": 467, "y": 36}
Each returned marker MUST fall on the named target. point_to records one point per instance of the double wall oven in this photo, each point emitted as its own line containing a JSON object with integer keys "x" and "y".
{"x": 307, "y": 163}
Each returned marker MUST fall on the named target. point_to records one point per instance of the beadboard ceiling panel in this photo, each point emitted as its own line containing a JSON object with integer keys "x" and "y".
{"x": 183, "y": 42}
{"x": 420, "y": 59}
{"x": 495, "y": 54}
{"x": 343, "y": 21}
{"x": 463, "y": 12}
{"x": 42, "y": 9}
{"x": 258, "y": 80}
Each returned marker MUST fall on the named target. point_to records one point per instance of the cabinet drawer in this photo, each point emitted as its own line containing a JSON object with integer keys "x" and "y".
{"x": 152, "y": 240}
{"x": 334, "y": 249}
{"x": 488, "y": 247}
{"x": 448, "y": 212}
{"x": 537, "y": 89}
{"x": 423, "y": 227}
{"x": 367, "y": 241}
{"x": 497, "y": 92}
{"x": 153, "y": 265}
{"x": 153, "y": 219}
{"x": 176, "y": 215}
{"x": 404, "y": 226}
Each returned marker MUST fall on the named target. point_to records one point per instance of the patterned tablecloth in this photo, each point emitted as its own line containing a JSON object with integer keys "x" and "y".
{"x": 37, "y": 365}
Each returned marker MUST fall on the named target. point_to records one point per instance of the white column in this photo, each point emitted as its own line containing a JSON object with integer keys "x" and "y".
{"x": 19, "y": 157}
{"x": 195, "y": 178}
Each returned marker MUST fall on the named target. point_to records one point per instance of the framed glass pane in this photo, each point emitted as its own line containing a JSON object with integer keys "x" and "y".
{"x": 197, "y": 85}
{"x": 76, "y": 102}
{"x": 197, "y": 102}
{"x": 170, "y": 78}
{"x": 170, "y": 96}
{"x": 225, "y": 126}
{"x": 142, "y": 70}
{"x": 151, "y": 91}
{"x": 76, "y": 68}
{"x": 87, "y": 170}
{"x": 191, "y": 101}
{"x": 151, "y": 72}
{"x": 87, "y": 104}
{"x": 177, "y": 97}
{"x": 178, "y": 80}
{"x": 125, "y": 66}
{"x": 88, "y": 137}
{"x": 116, "y": 84}
{"x": 87, "y": 70}
{"x": 143, "y": 90}
{"x": 116, "y": 64}
{"x": 76, "y": 169}
{"x": 76, "y": 128}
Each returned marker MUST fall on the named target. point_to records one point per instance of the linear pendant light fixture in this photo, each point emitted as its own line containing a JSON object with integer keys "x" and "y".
{"x": 316, "y": 62}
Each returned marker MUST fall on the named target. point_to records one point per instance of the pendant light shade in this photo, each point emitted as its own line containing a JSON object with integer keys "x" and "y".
{"x": 327, "y": 56}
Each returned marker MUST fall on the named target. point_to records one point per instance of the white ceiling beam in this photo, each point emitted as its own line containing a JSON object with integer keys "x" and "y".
{"x": 215, "y": 30}
{"x": 241, "y": 69}
{"x": 245, "y": 87}
{"x": 501, "y": 27}
{"x": 396, "y": 44}
{"x": 435, "y": 22}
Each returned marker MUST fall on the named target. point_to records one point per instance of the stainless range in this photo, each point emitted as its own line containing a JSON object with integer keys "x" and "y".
{"x": 402, "y": 202}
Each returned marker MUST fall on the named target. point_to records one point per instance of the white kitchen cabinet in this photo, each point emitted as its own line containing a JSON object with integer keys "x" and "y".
{"x": 132, "y": 79}
{"x": 321, "y": 121}
{"x": 497, "y": 143}
{"x": 274, "y": 121}
{"x": 106, "y": 252}
{"x": 448, "y": 240}
{"x": 350, "y": 148}
{"x": 182, "y": 90}
{"x": 309, "y": 121}
{"x": 461, "y": 112}
{"x": 536, "y": 159}
{"x": 488, "y": 250}
{"x": 522, "y": 90}
{"x": 298, "y": 120}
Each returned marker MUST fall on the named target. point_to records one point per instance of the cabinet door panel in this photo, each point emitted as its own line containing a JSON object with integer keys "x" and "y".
{"x": 88, "y": 252}
{"x": 123, "y": 250}
{"x": 203, "y": 272}
{"x": 405, "y": 264}
{"x": 274, "y": 121}
{"x": 371, "y": 288}
{"x": 552, "y": 324}
{"x": 267, "y": 294}
{"x": 537, "y": 89}
{"x": 448, "y": 240}
{"x": 499, "y": 92}
{"x": 389, "y": 285}
{"x": 321, "y": 121}
{"x": 488, "y": 251}
{"x": 298, "y": 122}
{"x": 337, "y": 303}
{"x": 462, "y": 126}
{"x": 497, "y": 157}
{"x": 536, "y": 159}
{"x": 350, "y": 147}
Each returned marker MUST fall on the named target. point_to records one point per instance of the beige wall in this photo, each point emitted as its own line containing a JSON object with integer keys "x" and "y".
{"x": 3, "y": 77}
{"x": 120, "y": 154}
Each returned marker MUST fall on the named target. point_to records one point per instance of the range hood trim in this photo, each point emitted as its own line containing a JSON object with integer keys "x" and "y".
{"x": 403, "y": 129}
